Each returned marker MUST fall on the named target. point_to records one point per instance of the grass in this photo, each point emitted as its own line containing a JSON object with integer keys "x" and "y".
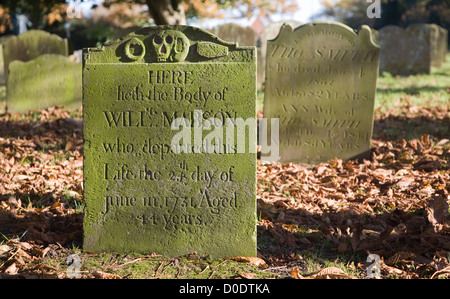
{"x": 420, "y": 89}
{"x": 135, "y": 266}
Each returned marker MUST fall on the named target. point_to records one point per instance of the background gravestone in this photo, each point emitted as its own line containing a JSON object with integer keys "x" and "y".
{"x": 2, "y": 66}
{"x": 140, "y": 195}
{"x": 243, "y": 36}
{"x": 407, "y": 51}
{"x": 270, "y": 32}
{"x": 321, "y": 81}
{"x": 31, "y": 45}
{"x": 43, "y": 82}
{"x": 436, "y": 59}
{"x": 443, "y": 43}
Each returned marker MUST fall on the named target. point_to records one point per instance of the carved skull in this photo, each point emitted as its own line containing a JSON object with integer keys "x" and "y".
{"x": 170, "y": 46}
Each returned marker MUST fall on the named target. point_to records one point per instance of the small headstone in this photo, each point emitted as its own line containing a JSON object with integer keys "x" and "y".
{"x": 436, "y": 59}
{"x": 244, "y": 36}
{"x": 43, "y": 82}
{"x": 141, "y": 193}
{"x": 443, "y": 43}
{"x": 321, "y": 82}
{"x": 407, "y": 51}
{"x": 31, "y": 45}
{"x": 2, "y": 66}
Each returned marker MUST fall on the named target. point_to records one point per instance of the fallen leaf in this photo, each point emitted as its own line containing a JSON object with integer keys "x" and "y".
{"x": 247, "y": 275}
{"x": 437, "y": 213}
{"x": 331, "y": 273}
{"x": 104, "y": 275}
{"x": 255, "y": 261}
{"x": 12, "y": 269}
{"x": 295, "y": 273}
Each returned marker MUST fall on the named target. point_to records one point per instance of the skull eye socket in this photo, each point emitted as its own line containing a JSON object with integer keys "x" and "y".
{"x": 169, "y": 39}
{"x": 158, "y": 40}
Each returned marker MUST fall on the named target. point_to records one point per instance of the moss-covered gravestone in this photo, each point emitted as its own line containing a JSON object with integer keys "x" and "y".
{"x": 46, "y": 81}
{"x": 32, "y": 44}
{"x": 320, "y": 84}
{"x": 155, "y": 179}
{"x": 2, "y": 65}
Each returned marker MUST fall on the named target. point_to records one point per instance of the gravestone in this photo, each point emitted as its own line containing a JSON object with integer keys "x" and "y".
{"x": 436, "y": 59}
{"x": 243, "y": 36}
{"x": 407, "y": 51}
{"x": 31, "y": 45}
{"x": 321, "y": 81}
{"x": 144, "y": 190}
{"x": 2, "y": 66}
{"x": 443, "y": 43}
{"x": 270, "y": 32}
{"x": 43, "y": 82}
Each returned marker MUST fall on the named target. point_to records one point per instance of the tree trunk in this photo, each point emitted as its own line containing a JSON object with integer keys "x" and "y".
{"x": 167, "y": 12}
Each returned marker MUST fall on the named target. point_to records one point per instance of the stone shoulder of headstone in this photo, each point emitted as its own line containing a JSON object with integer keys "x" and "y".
{"x": 269, "y": 32}
{"x": 39, "y": 41}
{"x": 169, "y": 44}
{"x": 364, "y": 35}
{"x": 46, "y": 81}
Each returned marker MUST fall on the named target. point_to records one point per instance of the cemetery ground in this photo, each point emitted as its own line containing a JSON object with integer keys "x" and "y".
{"x": 313, "y": 222}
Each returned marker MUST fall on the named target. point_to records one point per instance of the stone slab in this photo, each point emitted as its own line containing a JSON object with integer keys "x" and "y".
{"x": 321, "y": 82}
{"x": 141, "y": 195}
{"x": 43, "y": 82}
{"x": 32, "y": 44}
{"x": 408, "y": 51}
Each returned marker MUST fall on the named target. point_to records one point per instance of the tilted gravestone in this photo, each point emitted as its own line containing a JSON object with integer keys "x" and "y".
{"x": 32, "y": 44}
{"x": 407, "y": 51}
{"x": 321, "y": 81}
{"x": 46, "y": 81}
{"x": 146, "y": 188}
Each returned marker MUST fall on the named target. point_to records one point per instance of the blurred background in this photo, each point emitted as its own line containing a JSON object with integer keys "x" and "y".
{"x": 88, "y": 23}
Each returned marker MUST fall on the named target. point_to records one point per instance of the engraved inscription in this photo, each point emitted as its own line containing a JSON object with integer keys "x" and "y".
{"x": 321, "y": 85}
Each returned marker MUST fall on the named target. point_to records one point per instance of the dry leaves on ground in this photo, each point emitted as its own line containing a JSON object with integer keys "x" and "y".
{"x": 395, "y": 205}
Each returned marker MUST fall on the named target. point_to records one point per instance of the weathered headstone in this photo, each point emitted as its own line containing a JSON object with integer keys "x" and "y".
{"x": 270, "y": 32}
{"x": 243, "y": 36}
{"x": 46, "y": 81}
{"x": 407, "y": 51}
{"x": 436, "y": 59}
{"x": 142, "y": 194}
{"x": 443, "y": 43}
{"x": 2, "y": 66}
{"x": 321, "y": 81}
{"x": 31, "y": 45}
